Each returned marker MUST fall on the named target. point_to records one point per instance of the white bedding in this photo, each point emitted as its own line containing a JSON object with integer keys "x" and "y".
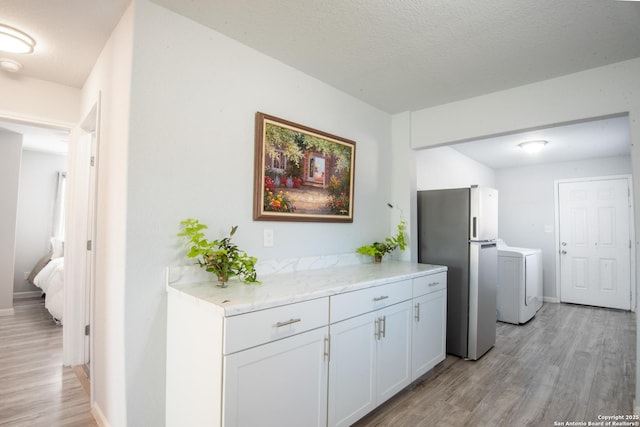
{"x": 51, "y": 280}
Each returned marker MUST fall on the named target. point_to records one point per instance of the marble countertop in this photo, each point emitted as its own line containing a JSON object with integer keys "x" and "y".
{"x": 286, "y": 288}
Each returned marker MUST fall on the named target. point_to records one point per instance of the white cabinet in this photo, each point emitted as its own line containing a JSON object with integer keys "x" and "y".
{"x": 429, "y": 323}
{"x": 275, "y": 366}
{"x": 263, "y": 326}
{"x": 370, "y": 353}
{"x": 282, "y": 383}
{"x": 239, "y": 357}
{"x": 352, "y": 366}
{"x": 264, "y": 367}
{"x": 393, "y": 367}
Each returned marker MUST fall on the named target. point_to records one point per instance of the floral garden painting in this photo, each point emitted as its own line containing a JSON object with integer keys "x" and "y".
{"x": 301, "y": 174}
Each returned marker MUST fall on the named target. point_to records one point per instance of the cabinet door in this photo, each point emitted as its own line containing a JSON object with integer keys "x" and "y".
{"x": 282, "y": 383}
{"x": 351, "y": 369}
{"x": 429, "y": 331}
{"x": 393, "y": 370}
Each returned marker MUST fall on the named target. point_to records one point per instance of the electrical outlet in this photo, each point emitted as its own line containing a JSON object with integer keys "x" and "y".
{"x": 268, "y": 237}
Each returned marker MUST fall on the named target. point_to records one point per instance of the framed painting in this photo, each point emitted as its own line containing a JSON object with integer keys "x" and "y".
{"x": 301, "y": 174}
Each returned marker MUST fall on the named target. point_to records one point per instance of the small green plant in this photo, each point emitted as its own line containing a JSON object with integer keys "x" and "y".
{"x": 390, "y": 244}
{"x": 220, "y": 257}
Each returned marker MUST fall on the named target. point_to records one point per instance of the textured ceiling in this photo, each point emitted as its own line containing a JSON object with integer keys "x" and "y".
{"x": 409, "y": 54}
{"x": 397, "y": 55}
{"x": 69, "y": 34}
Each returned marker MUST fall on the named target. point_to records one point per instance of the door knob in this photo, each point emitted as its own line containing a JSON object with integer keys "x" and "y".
{"x": 564, "y": 252}
{"x": 564, "y": 243}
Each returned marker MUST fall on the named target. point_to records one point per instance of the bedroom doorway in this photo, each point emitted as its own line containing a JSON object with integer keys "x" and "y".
{"x": 81, "y": 246}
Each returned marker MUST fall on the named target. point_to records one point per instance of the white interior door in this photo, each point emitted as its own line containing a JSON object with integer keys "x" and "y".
{"x": 595, "y": 243}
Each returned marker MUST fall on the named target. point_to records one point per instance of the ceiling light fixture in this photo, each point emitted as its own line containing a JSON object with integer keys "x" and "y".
{"x": 15, "y": 41}
{"x": 532, "y": 146}
{"x": 10, "y": 65}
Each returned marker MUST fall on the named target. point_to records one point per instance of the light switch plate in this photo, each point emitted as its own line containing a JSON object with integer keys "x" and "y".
{"x": 268, "y": 237}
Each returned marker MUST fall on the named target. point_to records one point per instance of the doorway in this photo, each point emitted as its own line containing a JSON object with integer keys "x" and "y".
{"x": 81, "y": 246}
{"x": 595, "y": 235}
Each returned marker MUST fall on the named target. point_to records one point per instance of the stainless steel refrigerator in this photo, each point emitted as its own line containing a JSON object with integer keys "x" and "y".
{"x": 458, "y": 228}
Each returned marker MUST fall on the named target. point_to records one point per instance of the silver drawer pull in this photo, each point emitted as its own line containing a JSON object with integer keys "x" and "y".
{"x": 288, "y": 322}
{"x": 381, "y": 298}
{"x": 434, "y": 284}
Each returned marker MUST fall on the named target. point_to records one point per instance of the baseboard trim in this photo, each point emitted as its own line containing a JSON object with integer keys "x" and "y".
{"x": 27, "y": 295}
{"x": 7, "y": 312}
{"x": 99, "y": 416}
{"x": 551, "y": 300}
{"x": 82, "y": 377}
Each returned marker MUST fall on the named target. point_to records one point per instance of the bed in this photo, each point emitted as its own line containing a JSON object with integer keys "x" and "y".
{"x": 51, "y": 280}
{"x": 48, "y": 275}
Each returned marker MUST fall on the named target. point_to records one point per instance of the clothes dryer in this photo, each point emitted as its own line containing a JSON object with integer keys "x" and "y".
{"x": 519, "y": 290}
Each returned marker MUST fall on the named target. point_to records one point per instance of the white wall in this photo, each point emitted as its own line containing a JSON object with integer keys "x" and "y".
{"x": 110, "y": 81}
{"x": 444, "y": 167}
{"x": 598, "y": 92}
{"x": 527, "y": 205}
{"x": 403, "y": 171}
{"x": 187, "y": 149}
{"x": 36, "y": 196}
{"x": 10, "y": 153}
{"x": 32, "y": 100}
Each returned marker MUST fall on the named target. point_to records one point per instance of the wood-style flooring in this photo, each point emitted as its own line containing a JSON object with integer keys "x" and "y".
{"x": 570, "y": 363}
{"x": 35, "y": 389}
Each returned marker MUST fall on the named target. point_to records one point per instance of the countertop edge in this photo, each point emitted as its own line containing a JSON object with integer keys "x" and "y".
{"x": 289, "y": 288}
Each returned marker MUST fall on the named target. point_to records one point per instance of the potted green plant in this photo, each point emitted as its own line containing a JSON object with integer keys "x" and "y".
{"x": 390, "y": 244}
{"x": 220, "y": 257}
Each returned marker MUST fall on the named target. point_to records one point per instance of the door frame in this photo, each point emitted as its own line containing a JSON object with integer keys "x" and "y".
{"x": 632, "y": 231}
{"x": 79, "y": 285}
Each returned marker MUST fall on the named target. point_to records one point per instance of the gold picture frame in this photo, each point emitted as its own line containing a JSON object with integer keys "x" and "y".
{"x": 301, "y": 173}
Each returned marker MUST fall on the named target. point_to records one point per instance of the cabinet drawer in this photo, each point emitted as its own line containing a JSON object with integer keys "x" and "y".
{"x": 354, "y": 303}
{"x": 259, "y": 327}
{"x": 430, "y": 283}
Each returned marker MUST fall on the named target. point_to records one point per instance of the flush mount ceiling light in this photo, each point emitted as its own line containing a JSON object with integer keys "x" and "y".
{"x": 15, "y": 41}
{"x": 10, "y": 65}
{"x": 532, "y": 146}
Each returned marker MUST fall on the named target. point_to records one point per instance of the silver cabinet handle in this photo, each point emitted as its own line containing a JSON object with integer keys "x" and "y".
{"x": 433, "y": 284}
{"x": 381, "y": 298}
{"x": 417, "y": 316}
{"x": 327, "y": 347}
{"x": 381, "y": 327}
{"x": 287, "y": 322}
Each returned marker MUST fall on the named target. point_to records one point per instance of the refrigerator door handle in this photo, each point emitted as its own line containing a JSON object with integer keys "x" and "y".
{"x": 475, "y": 227}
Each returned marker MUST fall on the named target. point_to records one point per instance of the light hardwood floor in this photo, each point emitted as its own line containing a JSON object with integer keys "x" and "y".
{"x": 570, "y": 363}
{"x": 35, "y": 389}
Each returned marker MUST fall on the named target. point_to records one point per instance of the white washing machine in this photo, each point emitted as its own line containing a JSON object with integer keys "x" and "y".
{"x": 519, "y": 283}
